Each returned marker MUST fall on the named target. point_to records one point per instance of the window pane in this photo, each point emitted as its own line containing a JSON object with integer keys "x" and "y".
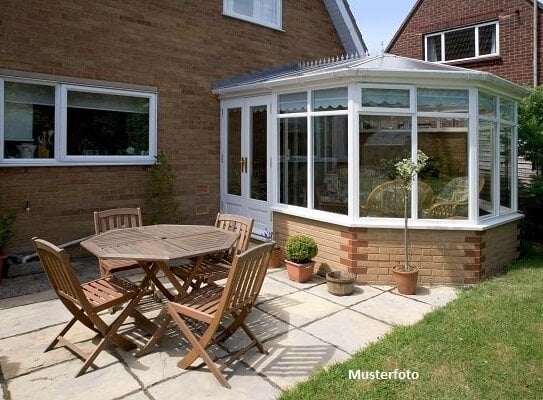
{"x": 293, "y": 103}
{"x": 445, "y": 142}
{"x": 389, "y": 98}
{"x": 433, "y": 48}
{"x": 259, "y": 137}
{"x": 263, "y": 10}
{"x": 331, "y": 163}
{"x": 487, "y": 105}
{"x": 487, "y": 39}
{"x": 506, "y": 165}
{"x": 442, "y": 100}
{"x": 384, "y": 140}
{"x": 487, "y": 132}
{"x": 233, "y": 122}
{"x": 507, "y": 110}
{"x": 105, "y": 124}
{"x": 293, "y": 161}
{"x": 330, "y": 99}
{"x": 29, "y": 120}
{"x": 460, "y": 44}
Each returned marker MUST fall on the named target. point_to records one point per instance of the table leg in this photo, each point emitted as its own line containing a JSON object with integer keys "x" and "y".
{"x": 171, "y": 277}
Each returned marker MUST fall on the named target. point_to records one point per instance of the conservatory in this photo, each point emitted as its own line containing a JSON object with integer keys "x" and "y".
{"x": 311, "y": 149}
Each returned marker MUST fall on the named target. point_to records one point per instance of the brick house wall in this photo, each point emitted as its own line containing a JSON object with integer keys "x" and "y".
{"x": 180, "y": 48}
{"x": 444, "y": 256}
{"x": 515, "y": 17}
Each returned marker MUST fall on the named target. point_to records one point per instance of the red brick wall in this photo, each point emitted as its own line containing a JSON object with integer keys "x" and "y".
{"x": 515, "y": 20}
{"x": 180, "y": 47}
{"x": 444, "y": 256}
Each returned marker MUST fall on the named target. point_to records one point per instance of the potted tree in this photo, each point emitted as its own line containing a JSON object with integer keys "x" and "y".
{"x": 406, "y": 275}
{"x": 6, "y": 224}
{"x": 300, "y": 250}
{"x": 276, "y": 257}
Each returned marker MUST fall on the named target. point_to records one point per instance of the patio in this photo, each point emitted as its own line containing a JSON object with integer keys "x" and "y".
{"x": 297, "y": 323}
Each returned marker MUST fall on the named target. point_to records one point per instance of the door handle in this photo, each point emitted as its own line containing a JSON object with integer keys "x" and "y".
{"x": 243, "y": 164}
{"x": 246, "y": 164}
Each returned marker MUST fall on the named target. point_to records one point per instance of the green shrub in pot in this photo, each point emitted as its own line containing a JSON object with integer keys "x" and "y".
{"x": 301, "y": 249}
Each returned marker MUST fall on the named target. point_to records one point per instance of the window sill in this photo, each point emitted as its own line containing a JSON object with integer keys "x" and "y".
{"x": 254, "y": 21}
{"x": 90, "y": 163}
{"x": 397, "y": 223}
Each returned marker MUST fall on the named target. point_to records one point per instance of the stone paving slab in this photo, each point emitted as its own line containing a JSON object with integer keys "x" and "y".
{"x": 58, "y": 382}
{"x": 394, "y": 309}
{"x": 299, "y": 308}
{"x": 360, "y": 293}
{"x": 272, "y": 288}
{"x": 293, "y": 357}
{"x": 137, "y": 396}
{"x": 282, "y": 276}
{"x": 201, "y": 384}
{"x": 357, "y": 330}
{"x": 436, "y": 296}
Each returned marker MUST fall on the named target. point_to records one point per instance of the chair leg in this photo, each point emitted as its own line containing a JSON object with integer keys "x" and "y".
{"x": 61, "y": 334}
{"x": 198, "y": 348}
{"x": 163, "y": 320}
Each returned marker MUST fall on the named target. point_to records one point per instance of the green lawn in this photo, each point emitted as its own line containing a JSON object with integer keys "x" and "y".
{"x": 488, "y": 344}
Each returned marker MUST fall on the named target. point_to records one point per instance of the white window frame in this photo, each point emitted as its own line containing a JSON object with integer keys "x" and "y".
{"x": 60, "y": 130}
{"x": 476, "y": 33}
{"x": 228, "y": 9}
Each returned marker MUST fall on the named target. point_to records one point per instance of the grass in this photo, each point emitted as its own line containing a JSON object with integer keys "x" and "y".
{"x": 488, "y": 344}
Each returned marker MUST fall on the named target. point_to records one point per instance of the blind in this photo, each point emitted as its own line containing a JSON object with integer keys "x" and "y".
{"x": 108, "y": 102}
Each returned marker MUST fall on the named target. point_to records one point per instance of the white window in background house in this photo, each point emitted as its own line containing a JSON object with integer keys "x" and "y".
{"x": 262, "y": 12}
{"x": 463, "y": 43}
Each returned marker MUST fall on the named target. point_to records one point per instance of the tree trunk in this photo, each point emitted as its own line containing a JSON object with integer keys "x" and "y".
{"x": 405, "y": 233}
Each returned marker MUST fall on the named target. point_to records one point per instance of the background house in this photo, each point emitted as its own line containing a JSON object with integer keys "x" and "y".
{"x": 91, "y": 91}
{"x": 495, "y": 36}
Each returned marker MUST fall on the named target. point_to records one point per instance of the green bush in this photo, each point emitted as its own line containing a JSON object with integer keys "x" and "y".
{"x": 301, "y": 249}
{"x": 6, "y": 231}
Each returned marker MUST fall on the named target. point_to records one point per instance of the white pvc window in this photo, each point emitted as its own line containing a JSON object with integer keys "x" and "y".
{"x": 262, "y": 12}
{"x": 463, "y": 43}
{"x": 48, "y": 123}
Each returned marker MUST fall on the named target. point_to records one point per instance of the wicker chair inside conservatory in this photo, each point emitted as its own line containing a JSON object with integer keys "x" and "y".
{"x": 452, "y": 201}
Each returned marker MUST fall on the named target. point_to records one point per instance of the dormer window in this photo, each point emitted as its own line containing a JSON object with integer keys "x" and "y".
{"x": 462, "y": 43}
{"x": 262, "y": 12}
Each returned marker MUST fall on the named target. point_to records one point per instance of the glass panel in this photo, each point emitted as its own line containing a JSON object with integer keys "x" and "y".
{"x": 445, "y": 177}
{"x": 460, "y": 44}
{"x": 331, "y": 163}
{"x": 388, "y": 98}
{"x": 259, "y": 136}
{"x": 29, "y": 120}
{"x": 487, "y": 105}
{"x": 264, "y": 10}
{"x": 293, "y": 103}
{"x": 384, "y": 140}
{"x": 442, "y": 100}
{"x": 487, "y": 131}
{"x": 330, "y": 99}
{"x": 105, "y": 124}
{"x": 507, "y": 110}
{"x": 293, "y": 161}
{"x": 233, "y": 171}
{"x": 433, "y": 48}
{"x": 506, "y": 165}
{"x": 487, "y": 39}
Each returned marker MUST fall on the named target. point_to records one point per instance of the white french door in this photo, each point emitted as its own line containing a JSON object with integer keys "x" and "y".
{"x": 246, "y": 160}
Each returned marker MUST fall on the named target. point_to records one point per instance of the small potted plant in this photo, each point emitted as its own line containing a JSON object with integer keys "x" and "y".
{"x": 406, "y": 275}
{"x": 300, "y": 250}
{"x": 276, "y": 257}
{"x": 6, "y": 224}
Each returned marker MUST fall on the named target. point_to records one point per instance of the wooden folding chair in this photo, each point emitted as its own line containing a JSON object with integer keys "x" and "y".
{"x": 212, "y": 305}
{"x": 215, "y": 267}
{"x": 117, "y": 218}
{"x": 86, "y": 300}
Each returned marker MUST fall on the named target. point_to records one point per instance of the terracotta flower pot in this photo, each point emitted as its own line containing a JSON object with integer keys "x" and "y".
{"x": 2, "y": 265}
{"x": 406, "y": 281}
{"x": 276, "y": 258}
{"x": 299, "y": 272}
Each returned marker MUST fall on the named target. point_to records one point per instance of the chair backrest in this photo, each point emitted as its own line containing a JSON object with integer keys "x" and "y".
{"x": 59, "y": 271}
{"x": 117, "y": 218}
{"x": 238, "y": 224}
{"x": 457, "y": 190}
{"x": 245, "y": 279}
{"x": 387, "y": 199}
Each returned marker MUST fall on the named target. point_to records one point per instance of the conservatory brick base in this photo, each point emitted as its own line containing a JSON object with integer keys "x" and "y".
{"x": 444, "y": 256}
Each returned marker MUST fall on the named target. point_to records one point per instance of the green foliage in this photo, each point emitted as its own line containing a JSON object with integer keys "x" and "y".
{"x": 406, "y": 168}
{"x": 531, "y": 126}
{"x": 301, "y": 249}
{"x": 160, "y": 197}
{"x": 6, "y": 231}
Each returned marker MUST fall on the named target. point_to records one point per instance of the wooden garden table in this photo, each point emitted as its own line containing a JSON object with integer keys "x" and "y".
{"x": 156, "y": 247}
